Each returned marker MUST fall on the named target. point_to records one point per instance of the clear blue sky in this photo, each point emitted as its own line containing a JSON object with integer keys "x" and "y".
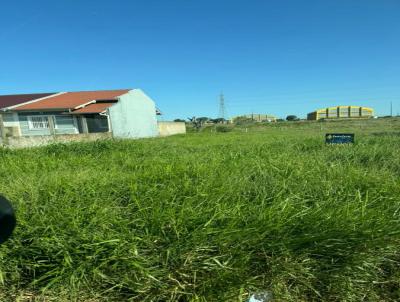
{"x": 279, "y": 57}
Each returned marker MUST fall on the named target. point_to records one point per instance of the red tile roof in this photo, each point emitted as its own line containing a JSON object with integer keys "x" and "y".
{"x": 71, "y": 100}
{"x": 93, "y": 108}
{"x": 16, "y": 99}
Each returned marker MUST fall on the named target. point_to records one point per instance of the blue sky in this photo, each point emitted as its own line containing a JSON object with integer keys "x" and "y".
{"x": 278, "y": 57}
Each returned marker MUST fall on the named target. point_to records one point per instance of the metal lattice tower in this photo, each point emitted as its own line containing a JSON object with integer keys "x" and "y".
{"x": 222, "y": 110}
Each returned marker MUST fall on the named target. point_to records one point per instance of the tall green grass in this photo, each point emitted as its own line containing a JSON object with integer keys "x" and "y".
{"x": 206, "y": 217}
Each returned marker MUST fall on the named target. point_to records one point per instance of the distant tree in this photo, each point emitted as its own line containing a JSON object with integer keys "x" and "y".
{"x": 219, "y": 120}
{"x": 178, "y": 120}
{"x": 280, "y": 120}
{"x": 197, "y": 124}
{"x": 203, "y": 119}
{"x": 292, "y": 118}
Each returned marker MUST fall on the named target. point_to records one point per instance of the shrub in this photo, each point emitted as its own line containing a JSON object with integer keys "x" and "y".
{"x": 292, "y": 118}
{"x": 223, "y": 128}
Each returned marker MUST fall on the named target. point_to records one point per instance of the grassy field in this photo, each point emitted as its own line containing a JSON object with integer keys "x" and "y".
{"x": 207, "y": 217}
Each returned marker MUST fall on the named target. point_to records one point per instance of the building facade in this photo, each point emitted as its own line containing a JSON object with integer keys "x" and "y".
{"x": 340, "y": 112}
{"x": 256, "y": 117}
{"x": 127, "y": 113}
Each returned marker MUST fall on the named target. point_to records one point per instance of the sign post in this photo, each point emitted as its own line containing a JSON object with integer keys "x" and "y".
{"x": 339, "y": 138}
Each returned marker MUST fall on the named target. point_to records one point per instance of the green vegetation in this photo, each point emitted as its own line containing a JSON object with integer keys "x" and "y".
{"x": 207, "y": 217}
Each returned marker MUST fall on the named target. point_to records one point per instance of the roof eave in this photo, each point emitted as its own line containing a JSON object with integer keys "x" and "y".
{"x": 42, "y": 109}
{"x": 9, "y": 108}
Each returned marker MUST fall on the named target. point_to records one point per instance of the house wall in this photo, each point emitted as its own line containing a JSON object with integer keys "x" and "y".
{"x": 64, "y": 124}
{"x": 10, "y": 119}
{"x": 171, "y": 128}
{"x": 133, "y": 116}
{"x": 11, "y": 123}
{"x": 42, "y": 140}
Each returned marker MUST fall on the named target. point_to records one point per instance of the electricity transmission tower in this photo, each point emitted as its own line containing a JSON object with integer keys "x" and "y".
{"x": 222, "y": 110}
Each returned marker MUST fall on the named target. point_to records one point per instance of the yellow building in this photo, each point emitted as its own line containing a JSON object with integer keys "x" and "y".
{"x": 339, "y": 112}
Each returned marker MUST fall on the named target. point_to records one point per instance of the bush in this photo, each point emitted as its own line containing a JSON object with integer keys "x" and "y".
{"x": 292, "y": 118}
{"x": 223, "y": 128}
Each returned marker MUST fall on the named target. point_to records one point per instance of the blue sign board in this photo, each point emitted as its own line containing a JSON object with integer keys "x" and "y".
{"x": 339, "y": 138}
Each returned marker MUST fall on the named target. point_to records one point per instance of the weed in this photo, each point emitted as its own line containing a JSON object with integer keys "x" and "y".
{"x": 206, "y": 217}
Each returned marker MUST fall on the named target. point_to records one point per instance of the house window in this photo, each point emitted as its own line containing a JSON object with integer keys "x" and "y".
{"x": 64, "y": 122}
{"x": 8, "y": 117}
{"x": 38, "y": 122}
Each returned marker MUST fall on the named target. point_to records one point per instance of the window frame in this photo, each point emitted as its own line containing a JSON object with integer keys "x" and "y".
{"x": 74, "y": 122}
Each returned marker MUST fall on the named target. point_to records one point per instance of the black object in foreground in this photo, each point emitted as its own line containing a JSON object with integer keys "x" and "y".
{"x": 7, "y": 219}
{"x": 339, "y": 138}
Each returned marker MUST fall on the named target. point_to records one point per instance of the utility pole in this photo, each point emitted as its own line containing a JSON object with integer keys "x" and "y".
{"x": 222, "y": 111}
{"x": 391, "y": 108}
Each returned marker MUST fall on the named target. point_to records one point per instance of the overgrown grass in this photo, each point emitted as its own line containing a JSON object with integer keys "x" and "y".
{"x": 206, "y": 217}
